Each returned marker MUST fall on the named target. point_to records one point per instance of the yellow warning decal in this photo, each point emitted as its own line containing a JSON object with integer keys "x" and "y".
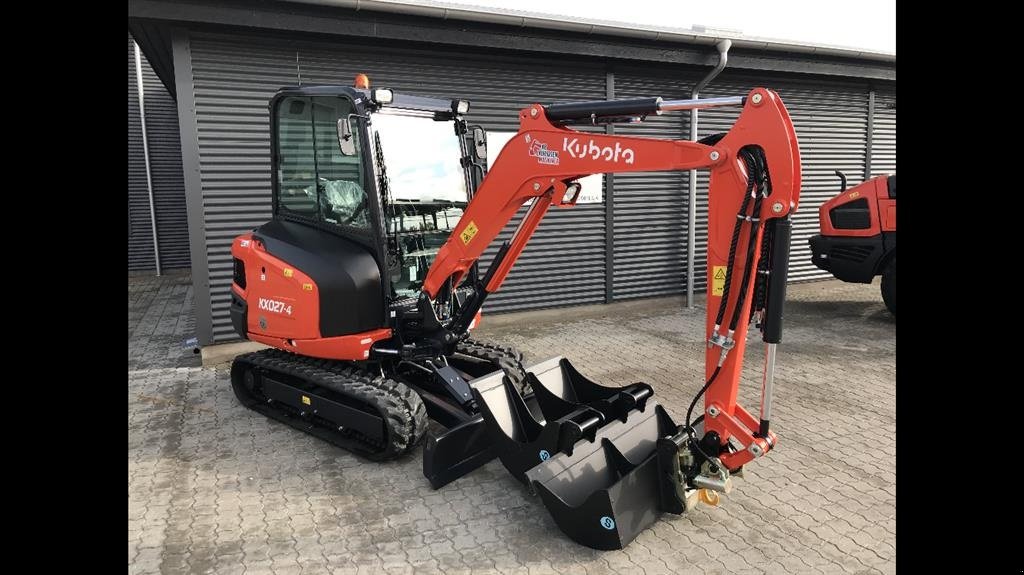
{"x": 288, "y": 272}
{"x": 305, "y": 400}
{"x": 307, "y": 287}
{"x": 469, "y": 233}
{"x": 718, "y": 280}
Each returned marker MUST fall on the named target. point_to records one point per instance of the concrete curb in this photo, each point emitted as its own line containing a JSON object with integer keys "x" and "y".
{"x": 214, "y": 355}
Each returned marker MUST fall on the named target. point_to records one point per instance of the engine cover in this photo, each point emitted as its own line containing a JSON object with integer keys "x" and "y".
{"x": 304, "y": 283}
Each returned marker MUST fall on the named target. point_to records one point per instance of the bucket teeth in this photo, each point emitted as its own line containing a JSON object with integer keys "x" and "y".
{"x": 604, "y": 460}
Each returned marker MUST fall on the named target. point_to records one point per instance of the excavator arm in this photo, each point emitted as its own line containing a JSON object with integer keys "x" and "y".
{"x": 754, "y": 186}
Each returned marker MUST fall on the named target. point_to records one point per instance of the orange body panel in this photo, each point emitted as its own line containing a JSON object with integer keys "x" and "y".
{"x": 288, "y": 305}
{"x": 887, "y": 210}
{"x": 286, "y": 312}
{"x": 881, "y": 209}
{"x": 347, "y": 347}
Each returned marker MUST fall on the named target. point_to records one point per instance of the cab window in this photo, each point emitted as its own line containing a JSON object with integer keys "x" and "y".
{"x": 316, "y": 181}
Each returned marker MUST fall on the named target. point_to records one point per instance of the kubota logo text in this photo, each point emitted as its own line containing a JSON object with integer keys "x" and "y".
{"x": 578, "y": 149}
{"x": 543, "y": 154}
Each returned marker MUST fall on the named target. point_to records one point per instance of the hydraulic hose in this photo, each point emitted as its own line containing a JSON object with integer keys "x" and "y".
{"x": 756, "y": 159}
{"x": 737, "y": 228}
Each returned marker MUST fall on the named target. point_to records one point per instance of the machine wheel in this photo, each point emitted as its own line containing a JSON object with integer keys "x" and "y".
{"x": 889, "y": 285}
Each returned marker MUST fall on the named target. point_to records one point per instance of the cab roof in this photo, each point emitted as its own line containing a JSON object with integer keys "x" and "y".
{"x": 361, "y": 95}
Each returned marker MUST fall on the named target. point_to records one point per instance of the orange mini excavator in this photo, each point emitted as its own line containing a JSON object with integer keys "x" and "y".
{"x": 366, "y": 284}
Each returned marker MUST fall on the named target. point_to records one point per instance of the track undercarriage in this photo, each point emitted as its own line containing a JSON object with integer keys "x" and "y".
{"x": 376, "y": 409}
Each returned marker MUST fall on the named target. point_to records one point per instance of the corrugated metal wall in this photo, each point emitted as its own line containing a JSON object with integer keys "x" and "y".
{"x": 883, "y": 136}
{"x": 165, "y": 166}
{"x": 650, "y": 207}
{"x": 235, "y": 76}
{"x": 831, "y": 125}
{"x": 233, "y": 82}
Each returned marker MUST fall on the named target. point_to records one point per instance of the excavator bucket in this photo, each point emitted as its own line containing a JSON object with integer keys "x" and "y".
{"x": 603, "y": 459}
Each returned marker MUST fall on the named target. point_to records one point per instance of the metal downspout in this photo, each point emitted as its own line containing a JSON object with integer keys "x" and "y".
{"x": 145, "y": 151}
{"x": 691, "y": 229}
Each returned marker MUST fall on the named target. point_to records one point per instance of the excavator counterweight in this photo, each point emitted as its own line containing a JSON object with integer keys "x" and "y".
{"x": 366, "y": 282}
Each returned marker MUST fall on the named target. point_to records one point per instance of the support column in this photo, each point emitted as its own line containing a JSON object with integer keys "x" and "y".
{"x": 185, "y": 88}
{"x": 870, "y": 135}
{"x": 145, "y": 152}
{"x": 609, "y": 208}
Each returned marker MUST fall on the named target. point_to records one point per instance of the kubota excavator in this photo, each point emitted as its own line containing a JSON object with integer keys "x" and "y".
{"x": 365, "y": 283}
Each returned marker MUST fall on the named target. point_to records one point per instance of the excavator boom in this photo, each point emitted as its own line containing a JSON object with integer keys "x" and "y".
{"x": 546, "y": 156}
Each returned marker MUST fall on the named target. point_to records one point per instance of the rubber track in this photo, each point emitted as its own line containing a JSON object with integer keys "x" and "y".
{"x": 507, "y": 358}
{"x": 400, "y": 407}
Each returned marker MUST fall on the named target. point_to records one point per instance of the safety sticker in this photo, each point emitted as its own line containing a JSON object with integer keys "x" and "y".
{"x": 540, "y": 151}
{"x": 469, "y": 233}
{"x": 306, "y": 400}
{"x": 288, "y": 272}
{"x": 718, "y": 280}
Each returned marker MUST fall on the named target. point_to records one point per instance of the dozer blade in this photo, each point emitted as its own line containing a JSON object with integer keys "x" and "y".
{"x": 456, "y": 452}
{"x": 605, "y": 461}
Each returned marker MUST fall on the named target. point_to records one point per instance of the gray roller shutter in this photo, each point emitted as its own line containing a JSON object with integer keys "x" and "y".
{"x": 233, "y": 82}
{"x": 165, "y": 166}
{"x": 883, "y": 136}
{"x": 831, "y": 126}
{"x": 235, "y": 77}
{"x": 165, "y": 163}
{"x": 651, "y": 207}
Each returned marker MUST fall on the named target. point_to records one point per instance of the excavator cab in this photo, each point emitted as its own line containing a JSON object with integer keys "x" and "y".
{"x": 381, "y": 170}
{"x": 367, "y": 186}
